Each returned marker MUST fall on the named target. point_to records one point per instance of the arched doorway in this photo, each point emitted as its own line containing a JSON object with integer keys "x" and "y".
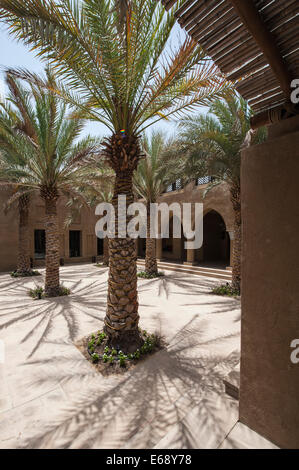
{"x": 216, "y": 241}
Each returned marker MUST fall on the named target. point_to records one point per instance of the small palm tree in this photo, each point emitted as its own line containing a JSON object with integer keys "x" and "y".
{"x": 151, "y": 178}
{"x": 40, "y": 153}
{"x": 212, "y": 145}
{"x": 113, "y": 56}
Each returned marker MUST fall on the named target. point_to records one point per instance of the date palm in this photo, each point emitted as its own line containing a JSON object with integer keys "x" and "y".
{"x": 15, "y": 118}
{"x": 117, "y": 70}
{"x": 19, "y": 196}
{"x": 151, "y": 178}
{"x": 39, "y": 152}
{"x": 212, "y": 144}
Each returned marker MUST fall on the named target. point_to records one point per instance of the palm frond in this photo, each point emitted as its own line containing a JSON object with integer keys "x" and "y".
{"x": 115, "y": 60}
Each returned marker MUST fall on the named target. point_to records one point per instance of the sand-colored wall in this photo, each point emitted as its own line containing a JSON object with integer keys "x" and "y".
{"x": 269, "y": 392}
{"x": 85, "y": 222}
{"x": 8, "y": 235}
{"x": 218, "y": 199}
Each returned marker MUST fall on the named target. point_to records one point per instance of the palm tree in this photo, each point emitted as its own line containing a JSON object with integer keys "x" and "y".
{"x": 212, "y": 145}
{"x": 22, "y": 199}
{"x": 114, "y": 58}
{"x": 151, "y": 178}
{"x": 39, "y": 153}
{"x": 20, "y": 195}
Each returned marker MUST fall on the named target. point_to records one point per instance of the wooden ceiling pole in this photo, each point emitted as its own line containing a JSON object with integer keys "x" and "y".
{"x": 251, "y": 18}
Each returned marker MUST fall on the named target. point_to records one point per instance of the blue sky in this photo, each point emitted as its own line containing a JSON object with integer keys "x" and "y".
{"x": 15, "y": 54}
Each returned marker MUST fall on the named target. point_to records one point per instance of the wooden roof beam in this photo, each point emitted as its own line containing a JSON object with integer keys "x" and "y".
{"x": 255, "y": 25}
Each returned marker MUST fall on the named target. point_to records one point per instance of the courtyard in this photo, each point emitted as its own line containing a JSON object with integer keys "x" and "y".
{"x": 52, "y": 397}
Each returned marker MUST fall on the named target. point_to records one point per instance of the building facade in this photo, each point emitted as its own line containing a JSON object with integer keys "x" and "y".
{"x": 218, "y": 223}
{"x": 78, "y": 242}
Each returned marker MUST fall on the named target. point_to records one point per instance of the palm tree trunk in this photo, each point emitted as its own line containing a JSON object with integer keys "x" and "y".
{"x": 24, "y": 266}
{"x": 52, "y": 286}
{"x": 150, "y": 250}
{"x": 121, "y": 321}
{"x": 106, "y": 252}
{"x": 236, "y": 261}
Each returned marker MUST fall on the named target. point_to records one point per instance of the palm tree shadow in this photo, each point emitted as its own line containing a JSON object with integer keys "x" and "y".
{"x": 142, "y": 406}
{"x": 44, "y": 316}
{"x": 175, "y": 283}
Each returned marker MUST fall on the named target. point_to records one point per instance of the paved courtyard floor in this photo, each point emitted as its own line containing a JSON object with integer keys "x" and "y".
{"x": 51, "y": 397}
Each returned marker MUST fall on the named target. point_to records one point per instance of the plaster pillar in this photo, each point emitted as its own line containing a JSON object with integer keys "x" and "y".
{"x": 231, "y": 238}
{"x": 190, "y": 258}
{"x": 159, "y": 249}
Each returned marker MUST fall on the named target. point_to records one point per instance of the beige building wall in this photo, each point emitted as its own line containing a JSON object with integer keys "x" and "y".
{"x": 84, "y": 222}
{"x": 217, "y": 200}
{"x": 8, "y": 235}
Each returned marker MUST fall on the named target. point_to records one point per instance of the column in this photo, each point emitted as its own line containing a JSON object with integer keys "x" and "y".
{"x": 159, "y": 249}
{"x": 190, "y": 258}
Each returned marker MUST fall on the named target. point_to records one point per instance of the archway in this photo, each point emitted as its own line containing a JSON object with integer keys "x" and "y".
{"x": 216, "y": 241}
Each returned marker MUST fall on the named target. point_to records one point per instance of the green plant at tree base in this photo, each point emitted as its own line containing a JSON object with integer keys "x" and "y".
{"x": 145, "y": 275}
{"x": 105, "y": 358}
{"x": 226, "y": 290}
{"x": 119, "y": 357}
{"x": 122, "y": 361}
{"x": 95, "y": 357}
{"x": 39, "y": 292}
{"x": 110, "y": 359}
{"x": 27, "y": 274}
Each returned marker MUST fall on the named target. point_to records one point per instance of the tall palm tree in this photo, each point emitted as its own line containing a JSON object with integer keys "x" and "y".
{"x": 40, "y": 153}
{"x": 9, "y": 119}
{"x": 22, "y": 199}
{"x": 151, "y": 178}
{"x": 212, "y": 144}
{"x": 113, "y": 55}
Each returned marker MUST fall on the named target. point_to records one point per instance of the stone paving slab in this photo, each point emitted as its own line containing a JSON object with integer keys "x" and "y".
{"x": 242, "y": 437}
{"x": 51, "y": 397}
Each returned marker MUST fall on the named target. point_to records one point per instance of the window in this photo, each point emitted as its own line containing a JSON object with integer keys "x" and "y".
{"x": 174, "y": 186}
{"x": 39, "y": 244}
{"x": 178, "y": 184}
{"x": 75, "y": 243}
{"x": 204, "y": 180}
{"x": 169, "y": 188}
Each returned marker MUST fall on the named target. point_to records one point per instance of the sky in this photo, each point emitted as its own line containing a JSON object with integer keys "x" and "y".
{"x": 15, "y": 54}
